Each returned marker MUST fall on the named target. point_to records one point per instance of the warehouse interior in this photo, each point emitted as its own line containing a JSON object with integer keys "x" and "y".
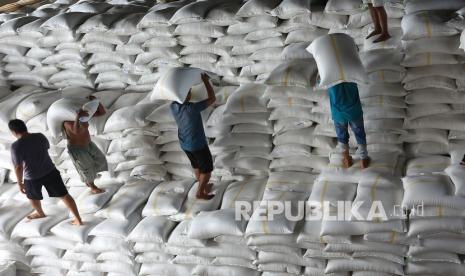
{"x": 270, "y": 132}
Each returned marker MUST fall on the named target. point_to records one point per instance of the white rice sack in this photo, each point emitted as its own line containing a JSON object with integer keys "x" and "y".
{"x": 337, "y": 50}
{"x": 260, "y": 224}
{"x": 364, "y": 264}
{"x": 324, "y": 191}
{"x": 10, "y": 102}
{"x": 419, "y": 189}
{"x": 192, "y": 12}
{"x": 382, "y": 60}
{"x": 207, "y": 225}
{"x": 63, "y": 110}
{"x": 290, "y": 8}
{"x": 201, "y": 29}
{"x": 11, "y": 213}
{"x": 343, "y": 7}
{"x": 427, "y": 165}
{"x": 192, "y": 205}
{"x": 128, "y": 117}
{"x": 65, "y": 21}
{"x": 36, "y": 104}
{"x": 116, "y": 228}
{"x": 168, "y": 86}
{"x": 457, "y": 173}
{"x": 39, "y": 227}
{"x": 392, "y": 43}
{"x": 152, "y": 229}
{"x": 68, "y": 231}
{"x": 10, "y": 27}
{"x": 293, "y": 73}
{"x": 224, "y": 271}
{"x": 413, "y": 6}
{"x": 126, "y": 26}
{"x": 256, "y": 8}
{"x": 224, "y": 14}
{"x": 254, "y": 46}
{"x": 166, "y": 269}
{"x": 127, "y": 200}
{"x": 167, "y": 198}
{"x": 304, "y": 35}
{"x": 247, "y": 190}
{"x": 425, "y": 24}
{"x": 247, "y": 99}
{"x": 446, "y": 45}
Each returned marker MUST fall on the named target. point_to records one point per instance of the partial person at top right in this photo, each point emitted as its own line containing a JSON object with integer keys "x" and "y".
{"x": 380, "y": 20}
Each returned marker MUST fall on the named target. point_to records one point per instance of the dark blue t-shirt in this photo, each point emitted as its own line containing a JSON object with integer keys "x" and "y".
{"x": 31, "y": 151}
{"x": 345, "y": 102}
{"x": 190, "y": 127}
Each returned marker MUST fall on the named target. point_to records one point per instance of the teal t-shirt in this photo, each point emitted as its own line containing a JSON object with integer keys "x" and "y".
{"x": 345, "y": 102}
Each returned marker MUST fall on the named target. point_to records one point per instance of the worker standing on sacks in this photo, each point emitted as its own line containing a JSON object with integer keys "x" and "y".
{"x": 86, "y": 156}
{"x": 380, "y": 20}
{"x": 340, "y": 69}
{"x": 192, "y": 137}
{"x": 34, "y": 168}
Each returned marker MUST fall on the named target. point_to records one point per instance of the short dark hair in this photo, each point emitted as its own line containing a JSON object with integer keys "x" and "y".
{"x": 17, "y": 126}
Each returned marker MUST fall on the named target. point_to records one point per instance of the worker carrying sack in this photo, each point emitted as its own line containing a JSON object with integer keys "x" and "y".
{"x": 66, "y": 110}
{"x": 337, "y": 59}
{"x": 175, "y": 83}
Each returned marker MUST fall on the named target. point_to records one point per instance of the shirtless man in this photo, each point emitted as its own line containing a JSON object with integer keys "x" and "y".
{"x": 86, "y": 156}
{"x": 34, "y": 169}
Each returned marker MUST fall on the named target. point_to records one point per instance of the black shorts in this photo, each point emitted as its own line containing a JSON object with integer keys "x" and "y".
{"x": 201, "y": 159}
{"x": 52, "y": 182}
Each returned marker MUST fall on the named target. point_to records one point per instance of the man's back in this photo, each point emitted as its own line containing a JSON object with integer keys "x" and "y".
{"x": 190, "y": 127}
{"x": 345, "y": 102}
{"x": 31, "y": 151}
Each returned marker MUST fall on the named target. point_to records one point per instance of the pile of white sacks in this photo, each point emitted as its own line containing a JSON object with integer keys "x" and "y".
{"x": 270, "y": 133}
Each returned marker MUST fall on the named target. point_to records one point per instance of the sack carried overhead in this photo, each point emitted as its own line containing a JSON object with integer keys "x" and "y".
{"x": 66, "y": 110}
{"x": 337, "y": 59}
{"x": 175, "y": 83}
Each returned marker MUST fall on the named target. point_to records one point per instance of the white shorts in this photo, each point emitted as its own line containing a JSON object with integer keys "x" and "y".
{"x": 375, "y": 3}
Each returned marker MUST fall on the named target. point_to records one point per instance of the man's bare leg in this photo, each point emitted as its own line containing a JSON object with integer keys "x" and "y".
{"x": 39, "y": 213}
{"x": 71, "y": 204}
{"x": 203, "y": 191}
{"x": 383, "y": 19}
{"x": 94, "y": 189}
{"x": 376, "y": 22}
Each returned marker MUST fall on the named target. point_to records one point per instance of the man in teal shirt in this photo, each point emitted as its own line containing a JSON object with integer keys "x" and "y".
{"x": 346, "y": 109}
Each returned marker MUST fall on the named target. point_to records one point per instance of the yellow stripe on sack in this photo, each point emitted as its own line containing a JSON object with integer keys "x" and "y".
{"x": 323, "y": 193}
{"x": 155, "y": 200}
{"x": 289, "y": 101}
{"x": 237, "y": 195}
{"x": 286, "y": 76}
{"x": 373, "y": 194}
{"x": 429, "y": 59}
{"x": 440, "y": 212}
{"x": 381, "y": 75}
{"x": 429, "y": 32}
{"x": 322, "y": 239}
{"x": 393, "y": 238}
{"x": 338, "y": 58}
{"x": 266, "y": 230}
{"x": 242, "y": 104}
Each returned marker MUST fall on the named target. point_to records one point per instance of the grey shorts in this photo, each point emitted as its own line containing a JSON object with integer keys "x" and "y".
{"x": 89, "y": 161}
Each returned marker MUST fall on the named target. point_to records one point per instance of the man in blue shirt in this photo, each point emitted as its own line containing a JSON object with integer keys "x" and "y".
{"x": 346, "y": 109}
{"x": 192, "y": 137}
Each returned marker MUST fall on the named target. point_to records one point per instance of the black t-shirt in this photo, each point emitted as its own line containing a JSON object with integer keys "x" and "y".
{"x": 31, "y": 151}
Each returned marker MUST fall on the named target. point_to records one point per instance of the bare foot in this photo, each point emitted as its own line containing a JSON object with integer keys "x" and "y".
{"x": 382, "y": 37}
{"x": 76, "y": 222}
{"x": 208, "y": 188}
{"x": 462, "y": 163}
{"x": 347, "y": 161}
{"x": 364, "y": 163}
{"x": 373, "y": 33}
{"x": 205, "y": 196}
{"x": 36, "y": 215}
{"x": 94, "y": 189}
